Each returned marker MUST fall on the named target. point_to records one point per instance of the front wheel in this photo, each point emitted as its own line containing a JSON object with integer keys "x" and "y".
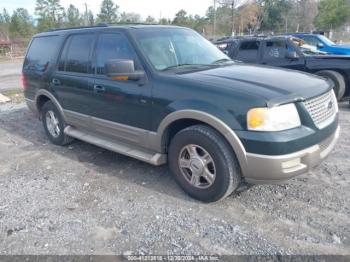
{"x": 203, "y": 163}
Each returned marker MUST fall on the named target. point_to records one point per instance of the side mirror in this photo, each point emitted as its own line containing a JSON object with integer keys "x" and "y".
{"x": 123, "y": 70}
{"x": 320, "y": 45}
{"x": 292, "y": 55}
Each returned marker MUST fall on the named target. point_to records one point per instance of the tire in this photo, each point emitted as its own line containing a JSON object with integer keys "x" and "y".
{"x": 221, "y": 163}
{"x": 56, "y": 136}
{"x": 338, "y": 81}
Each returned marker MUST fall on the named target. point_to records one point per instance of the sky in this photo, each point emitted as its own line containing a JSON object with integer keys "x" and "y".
{"x": 155, "y": 8}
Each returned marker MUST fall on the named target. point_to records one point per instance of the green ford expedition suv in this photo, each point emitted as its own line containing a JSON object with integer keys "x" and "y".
{"x": 165, "y": 94}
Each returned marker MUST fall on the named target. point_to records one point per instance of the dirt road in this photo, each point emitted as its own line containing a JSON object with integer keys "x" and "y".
{"x": 81, "y": 199}
{"x": 10, "y": 75}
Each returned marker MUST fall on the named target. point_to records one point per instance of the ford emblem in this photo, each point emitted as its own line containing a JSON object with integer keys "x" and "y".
{"x": 330, "y": 105}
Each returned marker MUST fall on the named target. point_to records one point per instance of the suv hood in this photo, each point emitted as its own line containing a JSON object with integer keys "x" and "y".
{"x": 277, "y": 86}
{"x": 342, "y": 46}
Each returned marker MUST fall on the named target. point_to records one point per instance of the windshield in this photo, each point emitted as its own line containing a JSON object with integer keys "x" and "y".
{"x": 174, "y": 48}
{"x": 326, "y": 40}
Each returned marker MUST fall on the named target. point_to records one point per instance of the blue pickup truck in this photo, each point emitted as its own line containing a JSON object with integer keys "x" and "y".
{"x": 324, "y": 44}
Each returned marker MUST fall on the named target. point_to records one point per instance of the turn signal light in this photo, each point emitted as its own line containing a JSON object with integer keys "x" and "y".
{"x": 256, "y": 117}
{"x": 120, "y": 78}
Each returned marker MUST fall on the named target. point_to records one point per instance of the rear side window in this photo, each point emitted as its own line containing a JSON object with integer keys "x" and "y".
{"x": 248, "y": 51}
{"x": 113, "y": 46}
{"x": 41, "y": 53}
{"x": 76, "y": 54}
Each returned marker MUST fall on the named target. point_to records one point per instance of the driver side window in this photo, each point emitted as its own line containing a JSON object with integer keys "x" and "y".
{"x": 311, "y": 40}
{"x": 275, "y": 50}
{"x": 114, "y": 46}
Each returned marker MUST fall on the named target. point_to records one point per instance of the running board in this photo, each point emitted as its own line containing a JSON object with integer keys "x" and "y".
{"x": 123, "y": 148}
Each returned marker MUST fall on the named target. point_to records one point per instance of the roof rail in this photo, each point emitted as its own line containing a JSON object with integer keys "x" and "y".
{"x": 79, "y": 27}
{"x": 129, "y": 23}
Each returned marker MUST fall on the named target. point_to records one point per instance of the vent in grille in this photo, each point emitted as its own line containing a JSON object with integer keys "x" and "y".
{"x": 322, "y": 109}
{"x": 324, "y": 144}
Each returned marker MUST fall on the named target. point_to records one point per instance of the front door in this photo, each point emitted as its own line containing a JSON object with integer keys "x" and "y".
{"x": 275, "y": 54}
{"x": 119, "y": 106}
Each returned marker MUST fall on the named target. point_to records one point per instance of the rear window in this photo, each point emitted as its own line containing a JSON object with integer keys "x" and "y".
{"x": 41, "y": 53}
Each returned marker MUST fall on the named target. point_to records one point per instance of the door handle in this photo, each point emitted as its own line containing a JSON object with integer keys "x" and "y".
{"x": 99, "y": 89}
{"x": 56, "y": 82}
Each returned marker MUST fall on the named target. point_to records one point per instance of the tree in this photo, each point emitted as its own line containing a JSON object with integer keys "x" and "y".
{"x": 108, "y": 12}
{"x": 5, "y": 17}
{"x": 150, "y": 20}
{"x": 181, "y": 18}
{"x": 272, "y": 14}
{"x": 90, "y": 18}
{"x": 50, "y": 14}
{"x": 164, "y": 21}
{"x": 130, "y": 18}
{"x": 332, "y": 13}
{"x": 73, "y": 16}
{"x": 232, "y": 5}
{"x": 5, "y": 20}
{"x": 21, "y": 24}
{"x": 223, "y": 14}
{"x": 246, "y": 18}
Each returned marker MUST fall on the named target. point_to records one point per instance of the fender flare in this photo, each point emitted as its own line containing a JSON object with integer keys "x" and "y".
{"x": 210, "y": 120}
{"x": 53, "y": 99}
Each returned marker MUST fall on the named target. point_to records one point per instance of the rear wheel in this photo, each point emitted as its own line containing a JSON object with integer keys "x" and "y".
{"x": 203, "y": 164}
{"x": 54, "y": 124}
{"x": 338, "y": 81}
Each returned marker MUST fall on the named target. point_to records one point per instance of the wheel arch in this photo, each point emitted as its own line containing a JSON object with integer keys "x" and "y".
{"x": 343, "y": 74}
{"x": 43, "y": 96}
{"x": 184, "y": 118}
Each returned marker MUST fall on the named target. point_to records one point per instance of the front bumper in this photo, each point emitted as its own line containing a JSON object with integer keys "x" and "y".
{"x": 261, "y": 169}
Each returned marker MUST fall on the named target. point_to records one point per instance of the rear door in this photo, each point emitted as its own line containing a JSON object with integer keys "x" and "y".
{"x": 275, "y": 54}
{"x": 72, "y": 81}
{"x": 39, "y": 62}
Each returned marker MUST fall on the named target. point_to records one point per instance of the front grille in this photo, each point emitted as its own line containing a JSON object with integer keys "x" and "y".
{"x": 322, "y": 109}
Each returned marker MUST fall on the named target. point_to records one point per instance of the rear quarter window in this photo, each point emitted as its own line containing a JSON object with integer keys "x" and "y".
{"x": 41, "y": 53}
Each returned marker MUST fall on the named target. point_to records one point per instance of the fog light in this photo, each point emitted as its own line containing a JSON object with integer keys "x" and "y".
{"x": 291, "y": 163}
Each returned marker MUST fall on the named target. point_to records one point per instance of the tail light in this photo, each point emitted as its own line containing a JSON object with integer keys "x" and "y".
{"x": 24, "y": 81}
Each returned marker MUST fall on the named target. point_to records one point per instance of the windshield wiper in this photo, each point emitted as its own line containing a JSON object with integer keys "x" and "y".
{"x": 223, "y": 60}
{"x": 184, "y": 65}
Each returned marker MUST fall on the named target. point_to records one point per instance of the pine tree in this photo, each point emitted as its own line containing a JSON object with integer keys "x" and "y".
{"x": 109, "y": 12}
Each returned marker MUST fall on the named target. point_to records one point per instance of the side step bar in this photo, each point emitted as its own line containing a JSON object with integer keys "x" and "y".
{"x": 152, "y": 158}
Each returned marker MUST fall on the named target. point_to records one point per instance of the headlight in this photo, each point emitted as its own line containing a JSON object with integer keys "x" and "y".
{"x": 273, "y": 119}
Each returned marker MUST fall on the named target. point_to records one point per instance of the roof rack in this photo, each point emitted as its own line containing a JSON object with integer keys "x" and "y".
{"x": 79, "y": 27}
{"x": 98, "y": 25}
{"x": 129, "y": 23}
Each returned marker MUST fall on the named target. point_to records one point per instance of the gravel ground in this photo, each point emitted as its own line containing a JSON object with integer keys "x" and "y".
{"x": 81, "y": 199}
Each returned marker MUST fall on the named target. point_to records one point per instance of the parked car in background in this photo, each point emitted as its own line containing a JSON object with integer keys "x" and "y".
{"x": 324, "y": 44}
{"x": 284, "y": 51}
{"x": 165, "y": 94}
